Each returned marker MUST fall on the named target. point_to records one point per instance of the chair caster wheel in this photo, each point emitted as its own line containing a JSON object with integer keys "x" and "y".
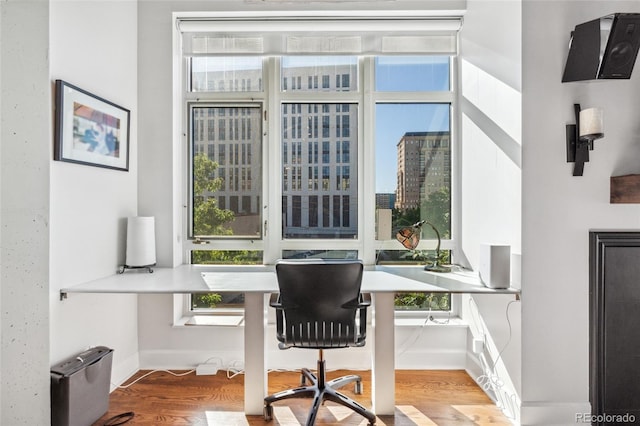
{"x": 358, "y": 388}
{"x": 267, "y": 412}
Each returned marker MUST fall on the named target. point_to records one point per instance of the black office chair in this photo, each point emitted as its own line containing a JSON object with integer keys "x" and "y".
{"x": 320, "y": 307}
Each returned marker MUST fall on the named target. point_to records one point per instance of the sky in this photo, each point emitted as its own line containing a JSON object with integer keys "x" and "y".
{"x": 393, "y": 119}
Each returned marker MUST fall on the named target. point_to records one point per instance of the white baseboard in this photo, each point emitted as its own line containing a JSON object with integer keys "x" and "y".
{"x": 505, "y": 398}
{"x": 350, "y": 358}
{"x": 426, "y": 359}
{"x": 472, "y": 366}
{"x": 122, "y": 370}
{"x": 552, "y": 413}
{"x": 186, "y": 359}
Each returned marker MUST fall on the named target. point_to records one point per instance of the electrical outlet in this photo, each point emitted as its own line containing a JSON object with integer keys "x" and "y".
{"x": 206, "y": 369}
{"x": 478, "y": 345}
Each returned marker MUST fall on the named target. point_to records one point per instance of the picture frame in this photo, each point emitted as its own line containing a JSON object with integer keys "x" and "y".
{"x": 90, "y": 130}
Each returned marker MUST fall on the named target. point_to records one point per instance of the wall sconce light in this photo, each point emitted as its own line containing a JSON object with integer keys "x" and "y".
{"x": 580, "y": 136}
{"x": 409, "y": 237}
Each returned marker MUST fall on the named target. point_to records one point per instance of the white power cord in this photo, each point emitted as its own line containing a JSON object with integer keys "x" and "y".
{"x": 490, "y": 380}
{"x": 150, "y": 373}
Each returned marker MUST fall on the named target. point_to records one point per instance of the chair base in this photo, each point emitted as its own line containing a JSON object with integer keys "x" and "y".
{"x": 321, "y": 390}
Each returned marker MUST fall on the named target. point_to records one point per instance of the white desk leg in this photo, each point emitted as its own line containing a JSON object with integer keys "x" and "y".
{"x": 255, "y": 373}
{"x": 383, "y": 354}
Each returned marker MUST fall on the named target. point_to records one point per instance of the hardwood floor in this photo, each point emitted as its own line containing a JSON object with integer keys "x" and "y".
{"x": 422, "y": 398}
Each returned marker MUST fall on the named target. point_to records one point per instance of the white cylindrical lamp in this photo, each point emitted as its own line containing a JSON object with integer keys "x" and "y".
{"x": 141, "y": 241}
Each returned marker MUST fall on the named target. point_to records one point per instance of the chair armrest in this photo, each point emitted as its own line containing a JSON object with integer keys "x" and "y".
{"x": 365, "y": 300}
{"x": 274, "y": 301}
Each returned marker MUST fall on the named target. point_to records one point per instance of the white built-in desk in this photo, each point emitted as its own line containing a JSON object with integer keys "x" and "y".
{"x": 257, "y": 281}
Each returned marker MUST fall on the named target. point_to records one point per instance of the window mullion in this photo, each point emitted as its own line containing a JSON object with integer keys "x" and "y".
{"x": 273, "y": 154}
{"x": 368, "y": 161}
{"x": 416, "y": 97}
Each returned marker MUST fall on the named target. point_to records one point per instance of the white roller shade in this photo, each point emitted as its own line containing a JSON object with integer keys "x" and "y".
{"x": 224, "y": 36}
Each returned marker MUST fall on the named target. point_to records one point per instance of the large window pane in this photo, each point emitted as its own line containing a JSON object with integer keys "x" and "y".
{"x": 413, "y": 168}
{"x": 417, "y": 186}
{"x": 226, "y": 74}
{"x": 412, "y": 73}
{"x": 226, "y": 171}
{"x": 319, "y": 171}
{"x": 319, "y": 73}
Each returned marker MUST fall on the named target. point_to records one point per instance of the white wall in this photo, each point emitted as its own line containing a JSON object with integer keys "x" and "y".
{"x": 559, "y": 209}
{"x": 93, "y": 46}
{"x": 24, "y": 214}
{"x": 491, "y": 126}
{"x": 491, "y": 158}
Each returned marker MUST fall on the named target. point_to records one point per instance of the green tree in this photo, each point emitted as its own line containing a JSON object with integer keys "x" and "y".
{"x": 226, "y": 257}
{"x": 405, "y": 217}
{"x": 208, "y": 218}
{"x": 437, "y": 210}
{"x": 423, "y": 301}
{"x": 206, "y": 300}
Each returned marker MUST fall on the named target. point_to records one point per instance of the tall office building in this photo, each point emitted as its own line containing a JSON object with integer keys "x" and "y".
{"x": 319, "y": 156}
{"x": 385, "y": 200}
{"x": 318, "y": 145}
{"x": 231, "y": 137}
{"x": 424, "y": 167}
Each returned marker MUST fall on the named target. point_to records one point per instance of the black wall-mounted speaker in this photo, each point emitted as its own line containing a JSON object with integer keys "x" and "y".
{"x": 605, "y": 48}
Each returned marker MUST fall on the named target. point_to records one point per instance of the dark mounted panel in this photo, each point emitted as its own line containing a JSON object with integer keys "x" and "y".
{"x": 614, "y": 341}
{"x": 605, "y": 48}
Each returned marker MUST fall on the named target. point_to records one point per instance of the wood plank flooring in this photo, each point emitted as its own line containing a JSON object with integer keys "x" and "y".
{"x": 423, "y": 398}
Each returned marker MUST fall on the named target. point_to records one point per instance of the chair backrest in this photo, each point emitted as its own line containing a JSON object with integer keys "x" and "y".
{"x": 319, "y": 301}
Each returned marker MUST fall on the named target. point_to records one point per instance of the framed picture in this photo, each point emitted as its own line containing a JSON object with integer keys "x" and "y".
{"x": 90, "y": 130}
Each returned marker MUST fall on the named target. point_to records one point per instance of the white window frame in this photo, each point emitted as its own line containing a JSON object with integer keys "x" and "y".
{"x": 271, "y": 243}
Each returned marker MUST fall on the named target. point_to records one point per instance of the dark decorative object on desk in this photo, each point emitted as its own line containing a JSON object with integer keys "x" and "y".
{"x": 409, "y": 237}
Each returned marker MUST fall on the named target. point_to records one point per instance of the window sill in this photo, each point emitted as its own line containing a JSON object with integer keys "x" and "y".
{"x": 238, "y": 321}
{"x": 430, "y": 321}
{"x": 210, "y": 321}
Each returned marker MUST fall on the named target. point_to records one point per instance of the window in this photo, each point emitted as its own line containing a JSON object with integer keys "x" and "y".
{"x": 416, "y": 136}
{"x": 241, "y": 189}
{"x": 309, "y": 152}
{"x": 412, "y": 73}
{"x": 221, "y": 74}
{"x": 344, "y": 68}
{"x": 298, "y": 225}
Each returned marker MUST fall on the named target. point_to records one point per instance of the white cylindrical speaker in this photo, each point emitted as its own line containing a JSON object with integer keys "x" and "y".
{"x": 141, "y": 241}
{"x": 494, "y": 267}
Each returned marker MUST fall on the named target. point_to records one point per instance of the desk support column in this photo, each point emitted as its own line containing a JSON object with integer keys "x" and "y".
{"x": 255, "y": 378}
{"x": 383, "y": 354}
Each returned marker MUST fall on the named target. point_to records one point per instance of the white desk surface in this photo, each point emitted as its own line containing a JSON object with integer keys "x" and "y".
{"x": 262, "y": 279}
{"x": 254, "y": 281}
